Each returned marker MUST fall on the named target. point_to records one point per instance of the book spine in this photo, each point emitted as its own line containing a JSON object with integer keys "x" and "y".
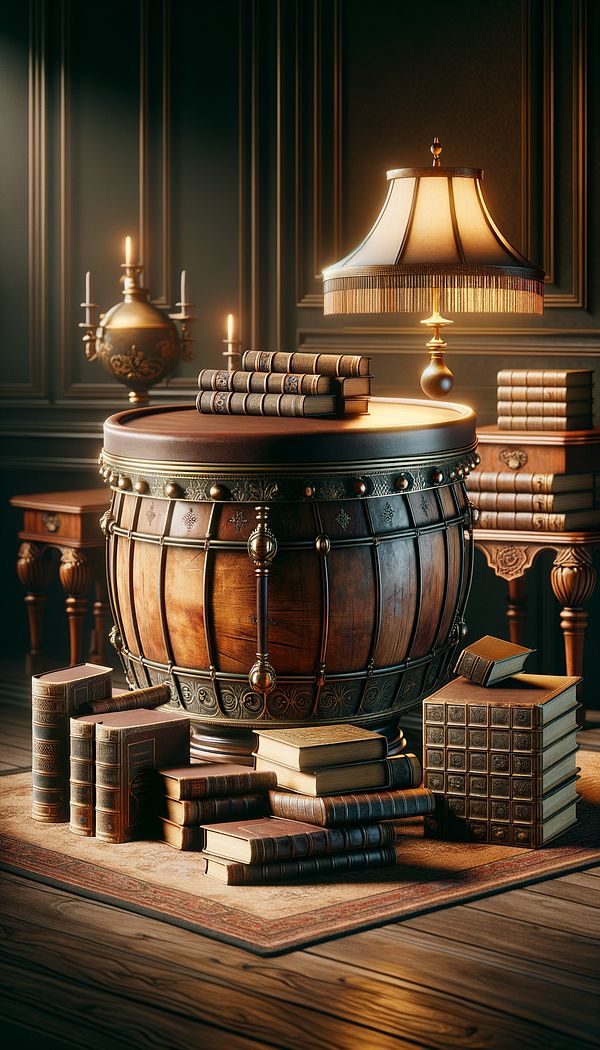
{"x": 109, "y": 781}
{"x": 214, "y": 810}
{"x": 364, "y": 808}
{"x": 232, "y": 784}
{"x": 227, "y": 403}
{"x": 153, "y": 696}
{"x": 546, "y": 394}
{"x": 544, "y": 422}
{"x": 264, "y": 382}
{"x": 523, "y": 502}
{"x": 490, "y": 519}
{"x": 83, "y": 777}
{"x": 483, "y": 831}
{"x": 320, "y": 364}
{"x": 545, "y": 409}
{"x": 475, "y": 668}
{"x": 404, "y": 771}
{"x": 322, "y": 841}
{"x": 517, "y": 481}
{"x": 49, "y": 753}
{"x": 543, "y": 377}
{"x": 336, "y": 863}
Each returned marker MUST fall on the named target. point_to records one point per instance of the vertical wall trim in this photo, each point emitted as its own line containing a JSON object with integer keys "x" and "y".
{"x": 37, "y": 294}
{"x": 143, "y": 239}
{"x": 64, "y": 197}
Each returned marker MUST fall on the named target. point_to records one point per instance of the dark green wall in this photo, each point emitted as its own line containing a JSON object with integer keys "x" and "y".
{"x": 248, "y": 143}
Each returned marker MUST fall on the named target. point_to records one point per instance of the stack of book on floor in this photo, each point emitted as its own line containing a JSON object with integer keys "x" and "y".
{"x": 501, "y": 760}
{"x": 526, "y": 499}
{"x": 338, "y": 807}
{"x": 545, "y": 399}
{"x": 188, "y": 797}
{"x": 283, "y": 384}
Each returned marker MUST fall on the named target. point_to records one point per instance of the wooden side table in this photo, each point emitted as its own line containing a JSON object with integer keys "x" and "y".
{"x": 511, "y": 553}
{"x": 69, "y": 523}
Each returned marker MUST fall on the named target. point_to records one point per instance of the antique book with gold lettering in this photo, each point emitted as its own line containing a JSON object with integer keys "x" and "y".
{"x": 255, "y": 382}
{"x": 128, "y": 745}
{"x": 55, "y": 695}
{"x": 310, "y": 747}
{"x": 206, "y": 780}
{"x": 387, "y": 773}
{"x": 490, "y": 659}
{"x": 188, "y": 812}
{"x": 298, "y": 361}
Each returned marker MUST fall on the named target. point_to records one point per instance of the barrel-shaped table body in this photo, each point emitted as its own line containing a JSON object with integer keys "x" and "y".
{"x": 289, "y": 572}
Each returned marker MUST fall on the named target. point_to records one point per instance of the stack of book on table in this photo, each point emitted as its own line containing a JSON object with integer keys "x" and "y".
{"x": 528, "y": 499}
{"x": 284, "y": 384}
{"x": 338, "y": 807}
{"x": 545, "y": 399}
{"x": 501, "y": 760}
{"x": 190, "y": 796}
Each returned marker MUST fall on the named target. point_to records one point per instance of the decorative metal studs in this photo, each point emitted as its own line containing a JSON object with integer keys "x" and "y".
{"x": 124, "y": 482}
{"x": 360, "y": 487}
{"x": 438, "y": 476}
{"x": 323, "y": 545}
{"x": 402, "y": 482}
{"x": 141, "y": 486}
{"x": 309, "y": 490}
{"x": 218, "y": 492}
{"x": 172, "y": 489}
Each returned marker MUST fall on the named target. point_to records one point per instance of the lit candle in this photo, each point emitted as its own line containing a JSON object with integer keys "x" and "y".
{"x": 128, "y": 252}
{"x": 184, "y": 287}
{"x": 229, "y": 328}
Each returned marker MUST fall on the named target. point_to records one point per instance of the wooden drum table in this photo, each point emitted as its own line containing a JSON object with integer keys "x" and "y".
{"x": 284, "y": 572}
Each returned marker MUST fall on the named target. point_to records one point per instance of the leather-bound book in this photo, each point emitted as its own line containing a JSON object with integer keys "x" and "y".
{"x": 571, "y": 422}
{"x": 128, "y": 744}
{"x": 210, "y": 810}
{"x": 320, "y": 364}
{"x": 311, "y": 747}
{"x": 547, "y": 393}
{"x": 283, "y": 382}
{"x": 55, "y": 695}
{"x": 567, "y": 521}
{"x": 331, "y": 811}
{"x": 213, "y": 780}
{"x": 234, "y": 873}
{"x": 567, "y": 377}
{"x": 545, "y": 409}
{"x": 180, "y": 836}
{"x": 398, "y": 771}
{"x": 274, "y": 838}
{"x": 489, "y": 756}
{"x": 518, "y": 481}
{"x": 82, "y": 779}
{"x": 490, "y": 659}
{"x": 221, "y": 402}
{"x": 534, "y": 502}
{"x": 150, "y": 697}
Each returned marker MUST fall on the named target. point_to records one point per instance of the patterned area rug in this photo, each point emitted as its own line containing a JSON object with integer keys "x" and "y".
{"x": 153, "y": 879}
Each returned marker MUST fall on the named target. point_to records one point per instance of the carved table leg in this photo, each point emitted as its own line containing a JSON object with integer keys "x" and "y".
{"x": 516, "y": 609}
{"x": 573, "y": 579}
{"x": 33, "y": 570}
{"x": 75, "y": 575}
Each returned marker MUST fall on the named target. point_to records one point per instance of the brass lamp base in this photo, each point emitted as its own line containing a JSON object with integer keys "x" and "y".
{"x": 437, "y": 379}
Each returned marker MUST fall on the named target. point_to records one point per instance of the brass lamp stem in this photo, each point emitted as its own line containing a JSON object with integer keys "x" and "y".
{"x": 437, "y": 379}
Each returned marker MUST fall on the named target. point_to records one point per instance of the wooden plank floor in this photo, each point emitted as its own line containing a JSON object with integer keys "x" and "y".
{"x": 519, "y": 970}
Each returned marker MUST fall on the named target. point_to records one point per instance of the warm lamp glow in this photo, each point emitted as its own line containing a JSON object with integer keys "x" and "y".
{"x": 434, "y": 246}
{"x": 128, "y": 252}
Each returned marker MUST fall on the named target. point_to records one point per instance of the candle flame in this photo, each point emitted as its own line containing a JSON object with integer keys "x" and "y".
{"x": 128, "y": 251}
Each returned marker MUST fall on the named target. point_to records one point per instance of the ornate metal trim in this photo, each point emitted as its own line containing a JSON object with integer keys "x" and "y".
{"x": 208, "y": 483}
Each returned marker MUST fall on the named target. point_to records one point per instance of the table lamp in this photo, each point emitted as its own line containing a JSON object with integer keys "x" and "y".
{"x": 434, "y": 246}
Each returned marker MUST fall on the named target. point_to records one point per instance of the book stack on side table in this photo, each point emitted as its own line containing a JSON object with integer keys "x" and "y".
{"x": 339, "y": 804}
{"x": 284, "y": 384}
{"x": 544, "y": 476}
{"x": 545, "y": 399}
{"x": 501, "y": 761}
{"x": 187, "y": 797}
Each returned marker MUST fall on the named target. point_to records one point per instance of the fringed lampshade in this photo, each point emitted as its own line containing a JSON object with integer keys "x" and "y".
{"x": 434, "y": 240}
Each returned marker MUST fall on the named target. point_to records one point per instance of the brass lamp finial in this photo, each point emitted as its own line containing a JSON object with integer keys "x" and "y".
{"x": 436, "y": 149}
